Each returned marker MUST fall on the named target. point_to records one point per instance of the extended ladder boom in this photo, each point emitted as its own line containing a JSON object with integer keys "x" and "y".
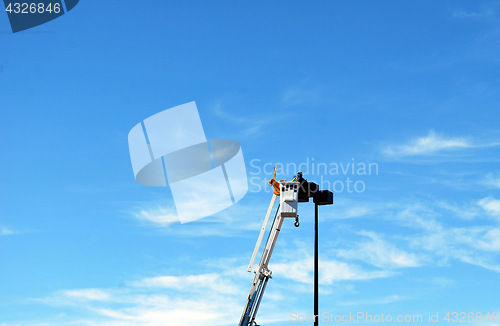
{"x": 287, "y": 208}
{"x": 262, "y": 230}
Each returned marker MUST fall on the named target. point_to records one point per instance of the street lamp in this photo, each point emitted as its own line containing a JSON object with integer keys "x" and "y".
{"x": 320, "y": 198}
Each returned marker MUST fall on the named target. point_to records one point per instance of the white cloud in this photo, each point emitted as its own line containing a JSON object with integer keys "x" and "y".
{"x": 476, "y": 245}
{"x": 190, "y": 283}
{"x": 490, "y": 205}
{"x": 467, "y": 14}
{"x": 6, "y": 231}
{"x": 88, "y": 294}
{"x": 465, "y": 212}
{"x": 431, "y": 235}
{"x": 377, "y": 301}
{"x": 298, "y": 95}
{"x": 442, "y": 282}
{"x": 492, "y": 180}
{"x": 301, "y": 270}
{"x": 348, "y": 211}
{"x": 431, "y": 241}
{"x": 431, "y": 144}
{"x": 159, "y": 215}
{"x": 467, "y": 241}
{"x": 246, "y": 125}
{"x": 208, "y": 299}
{"x": 418, "y": 215}
{"x": 226, "y": 223}
{"x": 484, "y": 238}
{"x": 380, "y": 253}
{"x": 340, "y": 271}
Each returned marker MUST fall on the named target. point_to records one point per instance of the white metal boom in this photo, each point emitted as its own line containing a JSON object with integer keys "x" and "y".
{"x": 287, "y": 208}
{"x": 262, "y": 230}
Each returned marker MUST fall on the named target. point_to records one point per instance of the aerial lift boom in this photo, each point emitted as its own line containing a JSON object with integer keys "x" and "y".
{"x": 288, "y": 192}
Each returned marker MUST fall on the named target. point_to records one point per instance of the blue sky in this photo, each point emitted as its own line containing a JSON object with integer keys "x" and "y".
{"x": 412, "y": 87}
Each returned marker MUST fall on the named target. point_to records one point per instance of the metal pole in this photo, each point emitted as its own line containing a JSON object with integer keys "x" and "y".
{"x": 316, "y": 301}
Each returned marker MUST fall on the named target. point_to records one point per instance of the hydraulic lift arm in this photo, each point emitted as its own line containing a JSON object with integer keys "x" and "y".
{"x": 288, "y": 192}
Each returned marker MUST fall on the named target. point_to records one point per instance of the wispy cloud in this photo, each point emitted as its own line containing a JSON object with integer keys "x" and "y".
{"x": 159, "y": 215}
{"x": 491, "y": 180}
{"x": 490, "y": 205}
{"x": 380, "y": 253}
{"x": 434, "y": 237}
{"x": 351, "y": 209}
{"x": 6, "y": 231}
{"x": 214, "y": 298}
{"x": 162, "y": 216}
{"x": 376, "y": 301}
{"x": 341, "y": 271}
{"x": 190, "y": 283}
{"x": 471, "y": 14}
{"x": 87, "y": 294}
{"x": 466, "y": 211}
{"x": 211, "y": 299}
{"x": 477, "y": 245}
{"x": 417, "y": 215}
{"x": 298, "y": 95}
{"x": 246, "y": 125}
{"x": 332, "y": 270}
{"x": 433, "y": 143}
{"x": 167, "y": 299}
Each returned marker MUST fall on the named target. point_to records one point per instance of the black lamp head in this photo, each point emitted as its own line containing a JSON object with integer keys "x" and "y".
{"x": 323, "y": 197}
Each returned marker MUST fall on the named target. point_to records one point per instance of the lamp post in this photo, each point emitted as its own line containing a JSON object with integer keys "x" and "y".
{"x": 316, "y": 267}
{"x": 321, "y": 197}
